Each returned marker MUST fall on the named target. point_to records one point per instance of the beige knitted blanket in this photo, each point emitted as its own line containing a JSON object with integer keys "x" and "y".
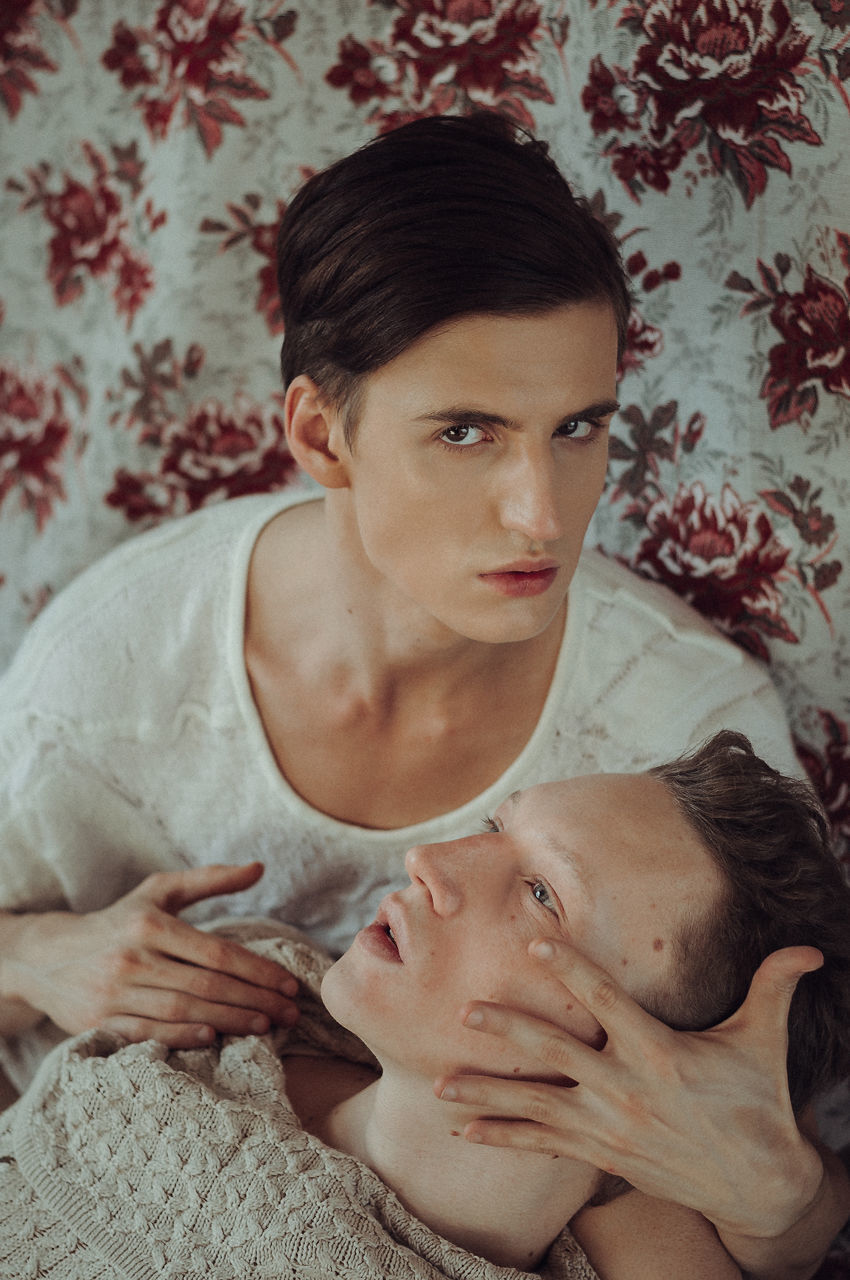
{"x": 135, "y": 1162}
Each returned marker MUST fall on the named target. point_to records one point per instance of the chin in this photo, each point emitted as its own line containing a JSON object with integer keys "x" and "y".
{"x": 333, "y": 993}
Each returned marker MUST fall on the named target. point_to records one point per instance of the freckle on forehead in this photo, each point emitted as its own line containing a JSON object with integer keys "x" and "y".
{"x": 658, "y": 944}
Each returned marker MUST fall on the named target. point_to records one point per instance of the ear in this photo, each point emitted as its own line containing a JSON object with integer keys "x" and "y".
{"x": 314, "y": 434}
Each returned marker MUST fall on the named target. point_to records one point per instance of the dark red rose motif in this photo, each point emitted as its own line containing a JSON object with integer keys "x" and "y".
{"x": 90, "y": 234}
{"x": 726, "y": 74}
{"x": 828, "y": 767}
{"x": 834, "y": 13}
{"x": 814, "y": 326}
{"x": 214, "y": 451}
{"x": 34, "y": 435}
{"x": 444, "y": 56}
{"x": 721, "y": 555}
{"x": 191, "y": 55}
{"x": 21, "y": 52}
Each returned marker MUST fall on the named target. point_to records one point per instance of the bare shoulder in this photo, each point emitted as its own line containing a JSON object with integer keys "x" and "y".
{"x": 636, "y": 1237}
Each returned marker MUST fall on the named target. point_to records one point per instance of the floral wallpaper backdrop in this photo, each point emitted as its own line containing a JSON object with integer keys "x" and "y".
{"x": 148, "y": 151}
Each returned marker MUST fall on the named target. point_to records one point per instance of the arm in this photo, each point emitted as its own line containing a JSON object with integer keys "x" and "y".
{"x": 797, "y": 1253}
{"x": 136, "y": 969}
{"x": 637, "y": 1238}
{"x": 702, "y": 1119}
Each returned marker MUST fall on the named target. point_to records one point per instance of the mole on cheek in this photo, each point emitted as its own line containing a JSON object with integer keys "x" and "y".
{"x": 658, "y": 944}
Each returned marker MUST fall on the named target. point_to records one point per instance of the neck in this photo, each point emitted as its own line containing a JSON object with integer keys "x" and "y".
{"x": 506, "y": 1206}
{"x": 393, "y": 643}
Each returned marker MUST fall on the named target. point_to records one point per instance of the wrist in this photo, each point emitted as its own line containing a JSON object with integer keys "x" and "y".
{"x": 787, "y": 1198}
{"x": 25, "y": 940}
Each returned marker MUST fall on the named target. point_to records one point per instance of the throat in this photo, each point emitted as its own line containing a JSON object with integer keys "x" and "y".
{"x": 506, "y": 1206}
{"x": 376, "y": 756}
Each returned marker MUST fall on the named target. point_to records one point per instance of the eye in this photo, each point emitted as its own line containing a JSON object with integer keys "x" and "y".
{"x": 541, "y": 893}
{"x": 463, "y": 435}
{"x": 579, "y": 429}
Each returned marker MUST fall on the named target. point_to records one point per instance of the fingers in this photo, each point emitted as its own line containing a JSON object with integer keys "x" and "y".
{"x": 174, "y": 1035}
{"x": 772, "y": 989}
{"x": 178, "y": 1008}
{"x": 528, "y": 1116}
{"x": 184, "y": 993}
{"x": 157, "y": 932}
{"x": 173, "y": 891}
{"x": 555, "y": 1049}
{"x": 521, "y": 1135}
{"x": 594, "y": 989}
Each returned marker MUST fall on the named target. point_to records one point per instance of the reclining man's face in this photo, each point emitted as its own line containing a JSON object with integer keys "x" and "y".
{"x": 605, "y": 862}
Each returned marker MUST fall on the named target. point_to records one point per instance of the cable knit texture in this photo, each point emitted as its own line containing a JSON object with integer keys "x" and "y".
{"x": 139, "y": 1162}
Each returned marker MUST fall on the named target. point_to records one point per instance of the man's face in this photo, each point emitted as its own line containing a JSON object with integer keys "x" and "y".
{"x": 478, "y": 460}
{"x": 606, "y": 862}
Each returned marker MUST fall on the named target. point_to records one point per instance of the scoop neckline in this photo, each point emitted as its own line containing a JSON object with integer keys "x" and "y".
{"x": 469, "y": 813}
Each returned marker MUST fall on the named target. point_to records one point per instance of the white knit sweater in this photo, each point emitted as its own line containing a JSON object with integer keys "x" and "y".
{"x": 141, "y": 1163}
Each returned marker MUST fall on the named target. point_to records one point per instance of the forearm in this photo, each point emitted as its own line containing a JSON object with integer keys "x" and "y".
{"x": 797, "y": 1253}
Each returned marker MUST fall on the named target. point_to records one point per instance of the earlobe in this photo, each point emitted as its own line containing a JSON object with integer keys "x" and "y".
{"x": 314, "y": 434}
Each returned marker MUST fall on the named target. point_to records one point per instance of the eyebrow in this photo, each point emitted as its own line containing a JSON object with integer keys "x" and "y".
{"x": 559, "y": 850}
{"x": 482, "y": 417}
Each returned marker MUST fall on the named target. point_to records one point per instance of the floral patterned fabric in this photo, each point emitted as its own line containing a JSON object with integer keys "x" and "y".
{"x": 148, "y": 151}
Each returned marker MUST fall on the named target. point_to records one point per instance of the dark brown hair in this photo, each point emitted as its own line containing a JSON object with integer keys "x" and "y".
{"x": 441, "y": 218}
{"x": 770, "y": 837}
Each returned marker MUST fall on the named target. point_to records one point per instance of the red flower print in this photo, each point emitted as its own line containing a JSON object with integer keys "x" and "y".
{"x": 204, "y": 451}
{"x": 833, "y": 13}
{"x": 723, "y": 556}
{"x": 829, "y": 771}
{"x": 814, "y": 325}
{"x": 21, "y": 52}
{"x": 643, "y": 341}
{"x": 448, "y": 55}
{"x": 191, "y": 55}
{"x": 34, "y": 434}
{"x": 725, "y": 73}
{"x": 89, "y": 235}
{"x": 354, "y": 71}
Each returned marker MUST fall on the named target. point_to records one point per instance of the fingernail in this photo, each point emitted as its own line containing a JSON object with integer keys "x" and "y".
{"x": 449, "y": 1093}
{"x": 289, "y": 987}
{"x": 473, "y": 1136}
{"x": 543, "y": 950}
{"x": 260, "y": 1024}
{"x": 474, "y": 1018}
{"x": 205, "y": 1035}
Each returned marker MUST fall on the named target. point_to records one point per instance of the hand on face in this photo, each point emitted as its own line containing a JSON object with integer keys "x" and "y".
{"x": 699, "y": 1118}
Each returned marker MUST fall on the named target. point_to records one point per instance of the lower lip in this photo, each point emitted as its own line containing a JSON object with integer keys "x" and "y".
{"x": 376, "y": 940}
{"x": 521, "y": 584}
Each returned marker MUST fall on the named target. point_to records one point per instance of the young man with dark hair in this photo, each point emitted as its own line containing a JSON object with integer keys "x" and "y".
{"x": 314, "y": 682}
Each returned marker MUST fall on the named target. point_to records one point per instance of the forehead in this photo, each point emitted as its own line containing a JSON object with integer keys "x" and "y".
{"x": 623, "y": 826}
{"x": 576, "y": 343}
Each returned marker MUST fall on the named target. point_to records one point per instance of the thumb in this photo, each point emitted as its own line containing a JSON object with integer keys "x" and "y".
{"x": 773, "y": 986}
{"x": 172, "y": 891}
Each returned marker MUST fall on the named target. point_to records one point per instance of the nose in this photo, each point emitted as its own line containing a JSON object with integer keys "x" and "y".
{"x": 530, "y": 497}
{"x": 432, "y": 866}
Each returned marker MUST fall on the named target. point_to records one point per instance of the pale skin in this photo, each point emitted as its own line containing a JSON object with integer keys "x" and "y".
{"x": 373, "y": 643}
{"x": 381, "y": 640}
{"x": 464, "y": 925}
